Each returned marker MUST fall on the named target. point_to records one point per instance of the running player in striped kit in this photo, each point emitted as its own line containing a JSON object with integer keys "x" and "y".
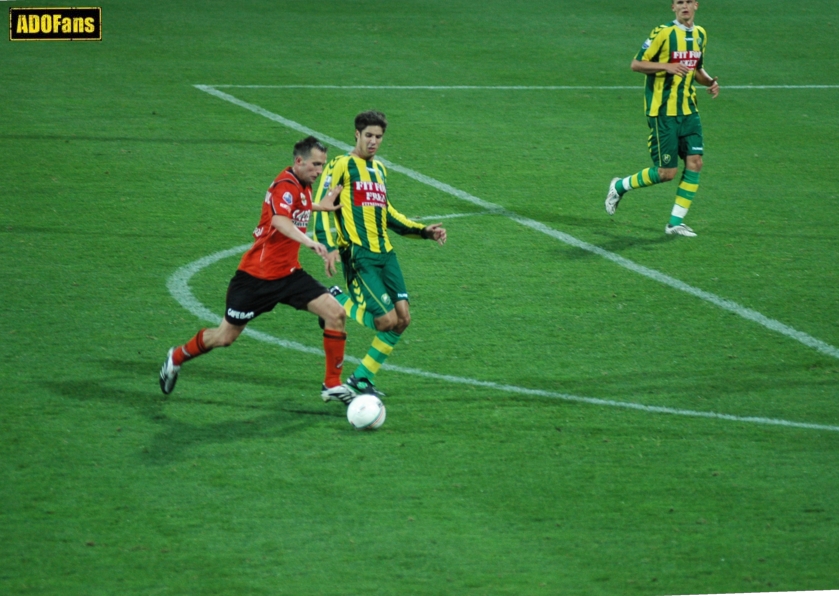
{"x": 377, "y": 296}
{"x": 673, "y": 60}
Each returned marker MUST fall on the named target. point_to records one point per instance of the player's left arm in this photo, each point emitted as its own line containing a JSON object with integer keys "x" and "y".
{"x": 412, "y": 229}
{"x": 703, "y": 78}
{"x": 328, "y": 202}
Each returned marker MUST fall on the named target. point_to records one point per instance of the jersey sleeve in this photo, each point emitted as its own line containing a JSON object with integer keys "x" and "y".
{"x": 281, "y": 198}
{"x": 324, "y": 220}
{"x": 402, "y": 225}
{"x": 651, "y": 49}
{"x": 703, "y": 36}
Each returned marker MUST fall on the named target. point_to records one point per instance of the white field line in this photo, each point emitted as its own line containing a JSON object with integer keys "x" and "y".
{"x": 498, "y": 87}
{"x": 178, "y": 285}
{"x": 746, "y": 313}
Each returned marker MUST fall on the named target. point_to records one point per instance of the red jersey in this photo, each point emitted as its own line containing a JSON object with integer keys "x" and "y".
{"x": 273, "y": 254}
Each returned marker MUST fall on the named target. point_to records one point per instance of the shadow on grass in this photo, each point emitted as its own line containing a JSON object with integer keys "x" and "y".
{"x": 175, "y": 436}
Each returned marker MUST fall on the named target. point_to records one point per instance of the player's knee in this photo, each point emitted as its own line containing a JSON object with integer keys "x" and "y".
{"x": 387, "y": 322}
{"x": 336, "y": 318}
{"x": 694, "y": 163}
{"x": 402, "y": 323}
{"x": 667, "y": 174}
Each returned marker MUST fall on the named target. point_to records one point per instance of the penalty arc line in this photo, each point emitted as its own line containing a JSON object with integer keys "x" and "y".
{"x": 725, "y": 304}
{"x": 178, "y": 286}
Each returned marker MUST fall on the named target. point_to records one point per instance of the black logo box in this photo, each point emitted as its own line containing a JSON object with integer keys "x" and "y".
{"x": 55, "y": 24}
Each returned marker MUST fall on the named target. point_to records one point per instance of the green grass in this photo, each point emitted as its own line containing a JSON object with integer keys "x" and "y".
{"x": 118, "y": 171}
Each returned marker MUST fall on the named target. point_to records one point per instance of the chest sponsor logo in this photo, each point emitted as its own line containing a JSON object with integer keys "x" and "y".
{"x": 369, "y": 194}
{"x": 55, "y": 24}
{"x": 300, "y": 218}
{"x": 689, "y": 59}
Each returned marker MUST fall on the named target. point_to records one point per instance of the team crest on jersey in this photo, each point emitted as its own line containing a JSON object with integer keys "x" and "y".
{"x": 369, "y": 194}
{"x": 666, "y": 158}
{"x": 326, "y": 182}
{"x": 385, "y": 299}
{"x": 288, "y": 198}
{"x": 303, "y": 199}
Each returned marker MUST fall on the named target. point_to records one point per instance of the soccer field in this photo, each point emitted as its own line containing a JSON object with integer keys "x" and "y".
{"x": 582, "y": 404}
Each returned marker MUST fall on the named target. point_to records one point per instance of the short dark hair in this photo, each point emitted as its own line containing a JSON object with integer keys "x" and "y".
{"x": 370, "y": 118}
{"x": 304, "y": 148}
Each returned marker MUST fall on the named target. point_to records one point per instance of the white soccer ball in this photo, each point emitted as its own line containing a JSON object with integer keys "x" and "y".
{"x": 366, "y": 412}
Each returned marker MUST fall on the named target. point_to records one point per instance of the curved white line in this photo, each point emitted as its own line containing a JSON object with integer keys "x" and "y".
{"x": 178, "y": 285}
{"x": 729, "y": 305}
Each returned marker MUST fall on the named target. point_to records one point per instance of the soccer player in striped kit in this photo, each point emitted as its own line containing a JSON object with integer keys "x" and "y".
{"x": 673, "y": 60}
{"x": 377, "y": 296}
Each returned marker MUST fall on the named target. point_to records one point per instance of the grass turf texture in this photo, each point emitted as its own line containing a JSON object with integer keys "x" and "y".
{"x": 118, "y": 172}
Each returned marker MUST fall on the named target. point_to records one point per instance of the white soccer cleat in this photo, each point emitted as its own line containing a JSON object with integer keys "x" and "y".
{"x": 169, "y": 374}
{"x": 342, "y": 393}
{"x": 612, "y": 198}
{"x": 680, "y": 230}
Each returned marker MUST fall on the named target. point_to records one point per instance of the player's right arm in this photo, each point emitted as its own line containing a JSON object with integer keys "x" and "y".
{"x": 286, "y": 227}
{"x": 652, "y": 60}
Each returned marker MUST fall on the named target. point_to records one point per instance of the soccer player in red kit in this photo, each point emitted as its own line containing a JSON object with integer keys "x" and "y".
{"x": 270, "y": 274}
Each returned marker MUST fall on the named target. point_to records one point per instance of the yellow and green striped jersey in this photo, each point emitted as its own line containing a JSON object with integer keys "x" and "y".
{"x": 667, "y": 94}
{"x": 366, "y": 214}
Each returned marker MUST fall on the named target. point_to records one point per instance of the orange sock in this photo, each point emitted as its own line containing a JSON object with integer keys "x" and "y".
{"x": 191, "y": 349}
{"x": 334, "y": 343}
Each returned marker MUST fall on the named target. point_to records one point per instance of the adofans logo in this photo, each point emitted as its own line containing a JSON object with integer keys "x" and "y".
{"x": 55, "y": 24}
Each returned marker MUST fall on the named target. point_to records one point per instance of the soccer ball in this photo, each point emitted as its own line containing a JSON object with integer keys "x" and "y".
{"x": 366, "y": 412}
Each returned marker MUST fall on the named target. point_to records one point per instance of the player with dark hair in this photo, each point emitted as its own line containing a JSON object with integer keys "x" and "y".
{"x": 378, "y": 296}
{"x": 270, "y": 274}
{"x": 673, "y": 60}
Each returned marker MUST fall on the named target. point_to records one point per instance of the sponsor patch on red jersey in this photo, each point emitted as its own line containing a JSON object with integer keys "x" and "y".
{"x": 369, "y": 194}
{"x": 689, "y": 59}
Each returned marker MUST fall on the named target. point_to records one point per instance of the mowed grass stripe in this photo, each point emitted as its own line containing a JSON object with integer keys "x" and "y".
{"x": 729, "y": 305}
{"x": 178, "y": 285}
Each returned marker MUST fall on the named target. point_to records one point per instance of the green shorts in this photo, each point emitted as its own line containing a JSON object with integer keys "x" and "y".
{"x": 374, "y": 279}
{"x": 674, "y": 135}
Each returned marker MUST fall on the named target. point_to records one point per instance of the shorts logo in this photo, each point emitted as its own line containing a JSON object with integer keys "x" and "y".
{"x": 55, "y": 24}
{"x": 288, "y": 198}
{"x": 666, "y": 158}
{"x": 240, "y": 316}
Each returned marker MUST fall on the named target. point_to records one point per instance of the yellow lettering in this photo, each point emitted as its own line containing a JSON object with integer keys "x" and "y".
{"x": 21, "y": 24}
{"x": 34, "y": 23}
{"x": 88, "y": 25}
{"x": 66, "y": 25}
{"x": 78, "y": 25}
{"x": 56, "y": 22}
{"x": 46, "y": 23}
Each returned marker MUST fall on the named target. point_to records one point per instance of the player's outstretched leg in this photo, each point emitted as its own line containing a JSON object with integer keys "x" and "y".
{"x": 620, "y": 186}
{"x": 168, "y": 374}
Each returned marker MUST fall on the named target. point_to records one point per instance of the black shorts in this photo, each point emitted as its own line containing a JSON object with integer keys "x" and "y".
{"x": 248, "y": 296}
